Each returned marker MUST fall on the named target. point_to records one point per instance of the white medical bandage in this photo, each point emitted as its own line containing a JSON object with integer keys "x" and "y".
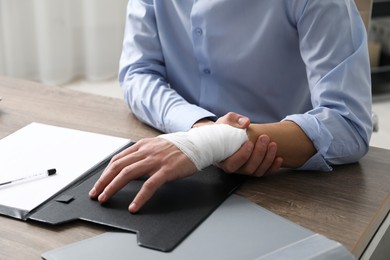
{"x": 208, "y": 144}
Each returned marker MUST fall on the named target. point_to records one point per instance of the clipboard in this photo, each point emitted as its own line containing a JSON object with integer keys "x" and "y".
{"x": 167, "y": 219}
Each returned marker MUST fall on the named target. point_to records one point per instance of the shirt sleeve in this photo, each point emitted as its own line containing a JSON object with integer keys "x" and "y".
{"x": 334, "y": 48}
{"x": 142, "y": 75}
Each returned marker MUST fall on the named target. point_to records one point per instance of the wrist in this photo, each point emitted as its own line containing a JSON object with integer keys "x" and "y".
{"x": 202, "y": 122}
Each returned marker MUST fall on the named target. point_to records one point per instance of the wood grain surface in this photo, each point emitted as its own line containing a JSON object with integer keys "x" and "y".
{"x": 347, "y": 205}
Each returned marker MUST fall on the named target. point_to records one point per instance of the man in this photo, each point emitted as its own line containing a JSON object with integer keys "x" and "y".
{"x": 297, "y": 69}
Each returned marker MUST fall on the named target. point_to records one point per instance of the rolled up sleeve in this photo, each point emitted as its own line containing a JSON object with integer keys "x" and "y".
{"x": 335, "y": 53}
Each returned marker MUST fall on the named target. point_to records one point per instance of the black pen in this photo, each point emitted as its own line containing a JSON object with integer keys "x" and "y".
{"x": 32, "y": 176}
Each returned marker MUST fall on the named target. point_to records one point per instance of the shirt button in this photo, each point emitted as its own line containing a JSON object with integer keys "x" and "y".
{"x": 198, "y": 31}
{"x": 206, "y": 71}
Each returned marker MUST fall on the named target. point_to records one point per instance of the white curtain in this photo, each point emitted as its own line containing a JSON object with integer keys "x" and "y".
{"x": 56, "y": 41}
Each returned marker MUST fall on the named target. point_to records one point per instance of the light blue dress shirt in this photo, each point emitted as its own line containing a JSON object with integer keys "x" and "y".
{"x": 270, "y": 60}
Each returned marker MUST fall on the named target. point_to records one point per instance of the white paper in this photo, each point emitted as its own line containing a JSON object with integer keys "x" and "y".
{"x": 38, "y": 147}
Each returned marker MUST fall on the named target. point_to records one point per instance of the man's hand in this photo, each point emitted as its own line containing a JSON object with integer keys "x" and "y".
{"x": 154, "y": 157}
{"x": 251, "y": 159}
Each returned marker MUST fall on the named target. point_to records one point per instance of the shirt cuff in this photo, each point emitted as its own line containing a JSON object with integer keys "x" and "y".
{"x": 320, "y": 137}
{"x": 183, "y": 118}
{"x": 317, "y": 163}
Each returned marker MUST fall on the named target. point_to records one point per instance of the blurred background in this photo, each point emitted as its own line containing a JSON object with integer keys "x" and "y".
{"x": 58, "y": 41}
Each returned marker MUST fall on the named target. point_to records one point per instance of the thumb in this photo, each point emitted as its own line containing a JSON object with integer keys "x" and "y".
{"x": 235, "y": 120}
{"x": 243, "y": 122}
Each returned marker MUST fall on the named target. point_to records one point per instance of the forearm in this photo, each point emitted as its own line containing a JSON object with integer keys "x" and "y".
{"x": 143, "y": 75}
{"x": 293, "y": 144}
{"x": 155, "y": 104}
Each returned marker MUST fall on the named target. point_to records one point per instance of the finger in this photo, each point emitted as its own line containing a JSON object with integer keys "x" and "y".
{"x": 268, "y": 160}
{"x": 257, "y": 157}
{"x": 118, "y": 162}
{"x": 112, "y": 170}
{"x": 126, "y": 175}
{"x": 160, "y": 156}
{"x": 147, "y": 190}
{"x": 130, "y": 150}
{"x": 235, "y": 120}
{"x": 235, "y": 161}
{"x": 276, "y": 165}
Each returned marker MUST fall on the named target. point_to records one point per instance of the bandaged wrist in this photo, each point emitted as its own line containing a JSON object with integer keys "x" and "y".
{"x": 208, "y": 144}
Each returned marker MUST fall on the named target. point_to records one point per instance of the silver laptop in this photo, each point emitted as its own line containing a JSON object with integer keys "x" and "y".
{"x": 238, "y": 229}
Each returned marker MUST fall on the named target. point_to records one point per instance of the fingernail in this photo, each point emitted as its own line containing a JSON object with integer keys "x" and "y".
{"x": 133, "y": 207}
{"x": 264, "y": 139}
{"x": 92, "y": 193}
{"x": 102, "y": 197}
{"x": 241, "y": 121}
{"x": 272, "y": 149}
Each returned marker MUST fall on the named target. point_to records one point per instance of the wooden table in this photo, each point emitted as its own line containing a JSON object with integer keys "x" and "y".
{"x": 347, "y": 205}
